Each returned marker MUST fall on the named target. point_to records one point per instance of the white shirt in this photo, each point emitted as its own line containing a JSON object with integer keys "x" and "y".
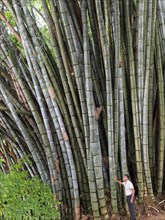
{"x": 128, "y": 187}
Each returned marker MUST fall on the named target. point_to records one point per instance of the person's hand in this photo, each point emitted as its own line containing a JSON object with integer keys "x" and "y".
{"x": 131, "y": 201}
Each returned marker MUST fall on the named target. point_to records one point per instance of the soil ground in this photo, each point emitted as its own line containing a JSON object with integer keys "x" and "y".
{"x": 149, "y": 210}
{"x": 152, "y": 217}
{"x": 158, "y": 217}
{"x": 154, "y": 210}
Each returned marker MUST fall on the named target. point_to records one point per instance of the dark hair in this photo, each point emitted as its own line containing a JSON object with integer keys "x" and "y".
{"x": 126, "y": 175}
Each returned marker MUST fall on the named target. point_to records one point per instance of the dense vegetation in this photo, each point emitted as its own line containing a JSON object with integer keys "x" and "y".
{"x": 82, "y": 93}
{"x": 26, "y": 198}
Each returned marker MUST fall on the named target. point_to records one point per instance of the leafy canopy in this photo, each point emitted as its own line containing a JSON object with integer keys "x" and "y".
{"x": 22, "y": 197}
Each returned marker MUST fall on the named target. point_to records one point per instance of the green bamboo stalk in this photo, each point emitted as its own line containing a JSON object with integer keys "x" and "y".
{"x": 96, "y": 48}
{"x": 110, "y": 120}
{"x": 140, "y": 57}
{"x": 161, "y": 21}
{"x": 134, "y": 101}
{"x": 161, "y": 146}
{"x": 122, "y": 138}
{"x": 149, "y": 54}
{"x": 95, "y": 154}
{"x": 116, "y": 76}
{"x": 151, "y": 94}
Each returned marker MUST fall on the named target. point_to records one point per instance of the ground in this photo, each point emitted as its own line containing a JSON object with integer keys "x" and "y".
{"x": 154, "y": 210}
{"x": 149, "y": 210}
{"x": 157, "y": 217}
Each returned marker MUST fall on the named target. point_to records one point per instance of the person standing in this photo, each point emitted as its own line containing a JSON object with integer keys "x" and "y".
{"x": 130, "y": 194}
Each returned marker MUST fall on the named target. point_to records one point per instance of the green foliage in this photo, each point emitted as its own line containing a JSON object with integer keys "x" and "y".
{"x": 22, "y": 197}
{"x": 9, "y": 17}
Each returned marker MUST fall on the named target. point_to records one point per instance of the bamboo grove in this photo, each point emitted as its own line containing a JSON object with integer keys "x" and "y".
{"x": 82, "y": 93}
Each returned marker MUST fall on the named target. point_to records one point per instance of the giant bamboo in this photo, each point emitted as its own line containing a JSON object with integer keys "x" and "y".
{"x": 82, "y": 93}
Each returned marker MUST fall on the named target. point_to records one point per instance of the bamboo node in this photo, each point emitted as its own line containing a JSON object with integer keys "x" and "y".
{"x": 51, "y": 92}
{"x": 98, "y": 112}
{"x": 65, "y": 136}
{"x": 57, "y": 164}
{"x": 52, "y": 179}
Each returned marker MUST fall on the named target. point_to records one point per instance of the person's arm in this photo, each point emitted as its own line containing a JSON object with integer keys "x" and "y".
{"x": 118, "y": 181}
{"x": 133, "y": 192}
{"x": 133, "y": 195}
